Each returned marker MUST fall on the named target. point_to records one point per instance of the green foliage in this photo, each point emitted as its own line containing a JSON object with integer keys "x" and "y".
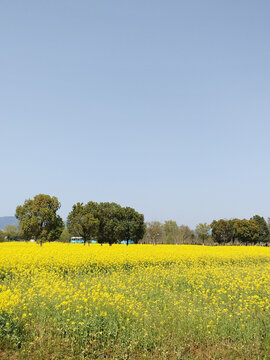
{"x": 174, "y": 234}
{"x": 83, "y": 220}
{"x": 246, "y": 231}
{"x": 106, "y": 222}
{"x": 202, "y": 231}
{"x": 11, "y": 331}
{"x": 2, "y": 236}
{"x": 263, "y": 228}
{"x": 111, "y": 230}
{"x": 12, "y": 232}
{"x": 171, "y": 231}
{"x": 38, "y": 218}
{"x": 222, "y": 231}
{"x": 133, "y": 225}
{"x": 65, "y": 236}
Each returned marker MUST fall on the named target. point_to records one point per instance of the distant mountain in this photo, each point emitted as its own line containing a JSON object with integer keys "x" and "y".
{"x": 7, "y": 220}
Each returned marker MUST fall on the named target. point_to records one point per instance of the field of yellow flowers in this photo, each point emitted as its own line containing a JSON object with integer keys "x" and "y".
{"x": 69, "y": 301}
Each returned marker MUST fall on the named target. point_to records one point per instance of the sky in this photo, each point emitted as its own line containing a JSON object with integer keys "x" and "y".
{"x": 163, "y": 106}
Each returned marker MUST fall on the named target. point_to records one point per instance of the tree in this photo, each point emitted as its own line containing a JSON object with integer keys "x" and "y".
{"x": 133, "y": 226}
{"x": 38, "y": 218}
{"x": 171, "y": 231}
{"x": 83, "y": 221}
{"x": 65, "y": 236}
{"x": 185, "y": 235}
{"x": 263, "y": 228}
{"x": 202, "y": 231}
{"x": 154, "y": 232}
{"x": 222, "y": 231}
{"x": 111, "y": 228}
{"x": 268, "y": 226}
{"x": 106, "y": 222}
{"x": 246, "y": 231}
{"x": 12, "y": 232}
{"x": 2, "y": 236}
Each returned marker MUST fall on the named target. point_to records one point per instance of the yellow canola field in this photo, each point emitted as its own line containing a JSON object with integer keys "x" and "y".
{"x": 77, "y": 255}
{"x": 138, "y": 295}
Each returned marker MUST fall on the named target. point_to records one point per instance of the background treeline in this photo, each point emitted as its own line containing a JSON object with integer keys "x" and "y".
{"x": 111, "y": 223}
{"x": 253, "y": 231}
{"x": 234, "y": 231}
{"x": 168, "y": 233}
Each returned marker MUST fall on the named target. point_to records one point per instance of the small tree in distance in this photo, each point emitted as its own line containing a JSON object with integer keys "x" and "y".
{"x": 202, "y": 231}
{"x": 222, "y": 231}
{"x": 2, "y": 236}
{"x": 65, "y": 236}
{"x": 246, "y": 231}
{"x": 154, "y": 232}
{"x": 12, "y": 232}
{"x": 263, "y": 228}
{"x": 171, "y": 231}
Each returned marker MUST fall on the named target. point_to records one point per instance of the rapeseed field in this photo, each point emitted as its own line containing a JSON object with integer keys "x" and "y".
{"x": 69, "y": 301}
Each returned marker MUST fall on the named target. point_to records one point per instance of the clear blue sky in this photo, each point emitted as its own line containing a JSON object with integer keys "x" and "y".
{"x": 159, "y": 105}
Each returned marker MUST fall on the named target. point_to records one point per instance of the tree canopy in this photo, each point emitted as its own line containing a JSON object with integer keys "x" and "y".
{"x": 171, "y": 231}
{"x": 106, "y": 222}
{"x": 222, "y": 231}
{"x": 154, "y": 232}
{"x": 263, "y": 228}
{"x": 245, "y": 231}
{"x": 202, "y": 231}
{"x": 83, "y": 221}
{"x": 38, "y": 218}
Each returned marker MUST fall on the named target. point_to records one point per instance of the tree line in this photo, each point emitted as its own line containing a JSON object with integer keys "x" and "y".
{"x": 243, "y": 231}
{"x": 104, "y": 222}
{"x": 111, "y": 223}
{"x": 233, "y": 231}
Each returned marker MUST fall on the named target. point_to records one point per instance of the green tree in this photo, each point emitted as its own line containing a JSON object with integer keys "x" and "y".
{"x": 133, "y": 226}
{"x": 106, "y": 222}
{"x": 111, "y": 227}
{"x": 263, "y": 228}
{"x": 12, "y": 232}
{"x": 246, "y": 231}
{"x": 65, "y": 236}
{"x": 268, "y": 226}
{"x": 39, "y": 220}
{"x": 83, "y": 221}
{"x": 202, "y": 231}
{"x": 2, "y": 236}
{"x": 222, "y": 231}
{"x": 171, "y": 232}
